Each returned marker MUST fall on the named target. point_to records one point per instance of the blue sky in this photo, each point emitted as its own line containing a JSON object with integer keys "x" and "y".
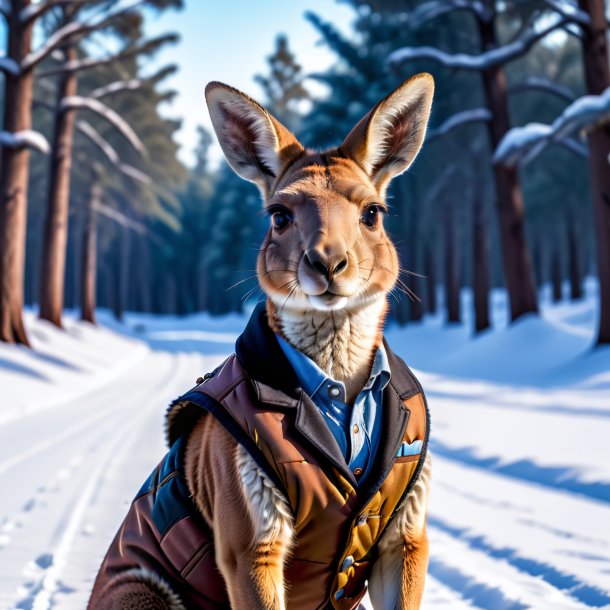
{"x": 229, "y": 41}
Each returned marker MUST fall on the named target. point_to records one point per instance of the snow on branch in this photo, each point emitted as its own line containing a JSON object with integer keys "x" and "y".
{"x": 53, "y": 41}
{"x": 28, "y": 138}
{"x": 76, "y": 65}
{"x": 431, "y": 10}
{"x": 569, "y": 10}
{"x": 70, "y": 31}
{"x": 483, "y": 61}
{"x": 33, "y": 11}
{"x": 110, "y": 153}
{"x": 542, "y": 84}
{"x": 9, "y": 66}
{"x": 525, "y": 143}
{"x": 475, "y": 115}
{"x": 75, "y": 102}
{"x": 120, "y": 218}
{"x": 121, "y": 85}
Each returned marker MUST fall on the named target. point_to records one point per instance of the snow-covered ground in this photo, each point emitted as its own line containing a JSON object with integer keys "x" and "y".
{"x": 520, "y": 506}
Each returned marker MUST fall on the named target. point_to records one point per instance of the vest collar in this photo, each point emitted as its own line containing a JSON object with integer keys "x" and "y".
{"x": 277, "y": 385}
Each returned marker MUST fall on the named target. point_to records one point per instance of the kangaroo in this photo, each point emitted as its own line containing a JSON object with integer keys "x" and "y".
{"x": 257, "y": 505}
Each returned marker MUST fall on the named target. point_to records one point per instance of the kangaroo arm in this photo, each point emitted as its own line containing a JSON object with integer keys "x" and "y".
{"x": 398, "y": 575}
{"x": 249, "y": 517}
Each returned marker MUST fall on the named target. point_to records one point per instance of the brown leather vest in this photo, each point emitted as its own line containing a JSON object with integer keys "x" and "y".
{"x": 338, "y": 521}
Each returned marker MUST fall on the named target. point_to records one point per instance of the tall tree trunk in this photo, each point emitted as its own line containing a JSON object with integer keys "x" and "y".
{"x": 14, "y": 173}
{"x": 88, "y": 266}
{"x": 556, "y": 275}
{"x": 574, "y": 265}
{"x": 122, "y": 273}
{"x": 597, "y": 78}
{"x": 430, "y": 272}
{"x": 53, "y": 259}
{"x": 452, "y": 267}
{"x": 480, "y": 263}
{"x": 511, "y": 214}
{"x": 539, "y": 261}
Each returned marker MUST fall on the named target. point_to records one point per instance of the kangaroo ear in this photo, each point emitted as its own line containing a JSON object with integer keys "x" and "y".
{"x": 256, "y": 145}
{"x": 386, "y": 141}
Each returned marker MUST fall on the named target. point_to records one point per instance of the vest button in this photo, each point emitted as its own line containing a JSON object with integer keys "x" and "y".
{"x": 199, "y": 380}
{"x": 358, "y": 471}
{"x": 335, "y": 391}
{"x": 356, "y": 429}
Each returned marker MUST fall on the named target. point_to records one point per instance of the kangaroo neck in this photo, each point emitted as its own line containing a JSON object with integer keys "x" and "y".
{"x": 342, "y": 343}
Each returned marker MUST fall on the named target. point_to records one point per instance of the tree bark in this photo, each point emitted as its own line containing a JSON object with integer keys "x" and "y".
{"x": 597, "y": 78}
{"x": 89, "y": 255}
{"x": 574, "y": 265}
{"x": 511, "y": 214}
{"x": 122, "y": 273}
{"x": 480, "y": 264}
{"x": 14, "y": 173}
{"x": 430, "y": 272}
{"x": 556, "y": 275}
{"x": 452, "y": 282}
{"x": 53, "y": 260}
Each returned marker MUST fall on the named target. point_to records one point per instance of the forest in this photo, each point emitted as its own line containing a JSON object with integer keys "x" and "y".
{"x": 512, "y": 188}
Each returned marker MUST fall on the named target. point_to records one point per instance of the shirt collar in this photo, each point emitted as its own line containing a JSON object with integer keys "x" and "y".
{"x": 312, "y": 377}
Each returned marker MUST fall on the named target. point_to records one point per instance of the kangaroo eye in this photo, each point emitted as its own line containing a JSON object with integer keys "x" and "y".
{"x": 280, "y": 219}
{"x": 370, "y": 216}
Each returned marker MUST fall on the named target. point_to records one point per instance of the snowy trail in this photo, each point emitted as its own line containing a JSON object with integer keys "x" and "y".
{"x": 520, "y": 505}
{"x": 86, "y": 458}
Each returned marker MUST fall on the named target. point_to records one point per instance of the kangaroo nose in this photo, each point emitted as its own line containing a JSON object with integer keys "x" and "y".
{"x": 327, "y": 266}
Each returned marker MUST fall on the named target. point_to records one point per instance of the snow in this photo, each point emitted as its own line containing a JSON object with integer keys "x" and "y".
{"x": 569, "y": 10}
{"x": 525, "y": 143}
{"x": 122, "y": 85}
{"x": 520, "y": 502}
{"x": 111, "y": 154}
{"x": 431, "y": 10}
{"x": 72, "y": 102}
{"x": 482, "y": 61}
{"x": 25, "y": 138}
{"x": 474, "y": 115}
{"x": 9, "y": 65}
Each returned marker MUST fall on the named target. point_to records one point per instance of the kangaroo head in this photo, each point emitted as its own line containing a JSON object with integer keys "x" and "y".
{"x": 326, "y": 248}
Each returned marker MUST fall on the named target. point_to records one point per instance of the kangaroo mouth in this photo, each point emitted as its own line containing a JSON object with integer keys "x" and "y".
{"x": 328, "y": 301}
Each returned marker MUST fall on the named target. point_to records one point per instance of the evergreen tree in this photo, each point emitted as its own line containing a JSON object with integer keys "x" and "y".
{"x": 283, "y": 86}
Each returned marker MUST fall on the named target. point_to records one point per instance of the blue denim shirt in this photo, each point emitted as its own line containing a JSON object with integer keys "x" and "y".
{"x": 356, "y": 429}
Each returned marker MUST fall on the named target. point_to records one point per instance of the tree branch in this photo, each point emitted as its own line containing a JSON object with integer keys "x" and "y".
{"x": 9, "y": 66}
{"x": 110, "y": 153}
{"x": 76, "y": 65}
{"x": 483, "y": 61}
{"x": 569, "y": 11}
{"x": 75, "y": 102}
{"x": 120, "y": 85}
{"x": 28, "y": 138}
{"x": 542, "y": 84}
{"x": 120, "y": 218}
{"x": 522, "y": 144}
{"x": 431, "y": 10}
{"x": 475, "y": 115}
{"x": 69, "y": 32}
{"x": 34, "y": 11}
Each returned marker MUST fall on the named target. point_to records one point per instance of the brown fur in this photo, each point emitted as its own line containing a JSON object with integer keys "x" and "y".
{"x": 326, "y": 274}
{"x": 335, "y": 317}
